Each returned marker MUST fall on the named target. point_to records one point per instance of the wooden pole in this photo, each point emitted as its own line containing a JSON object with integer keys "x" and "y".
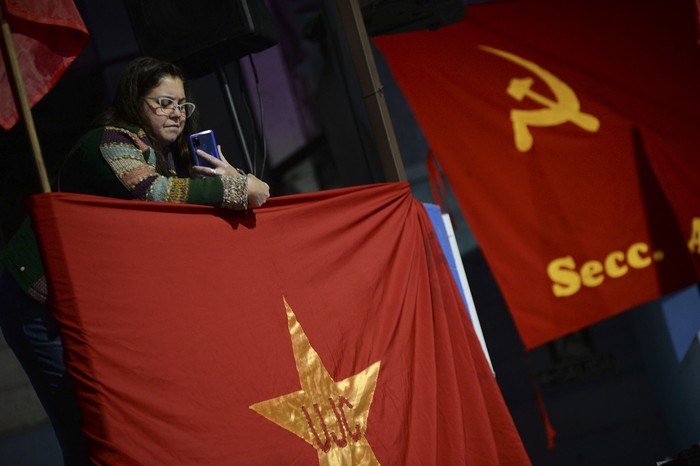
{"x": 21, "y": 95}
{"x": 372, "y": 90}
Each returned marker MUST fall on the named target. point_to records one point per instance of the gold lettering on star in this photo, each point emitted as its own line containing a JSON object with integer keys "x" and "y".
{"x": 566, "y": 106}
{"x": 331, "y": 416}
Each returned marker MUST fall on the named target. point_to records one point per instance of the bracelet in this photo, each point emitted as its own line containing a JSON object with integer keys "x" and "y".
{"x": 235, "y": 192}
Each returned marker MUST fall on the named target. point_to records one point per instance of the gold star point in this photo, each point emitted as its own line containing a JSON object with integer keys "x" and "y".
{"x": 331, "y": 416}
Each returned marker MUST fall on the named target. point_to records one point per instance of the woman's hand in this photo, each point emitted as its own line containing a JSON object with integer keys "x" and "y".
{"x": 221, "y": 167}
{"x": 258, "y": 190}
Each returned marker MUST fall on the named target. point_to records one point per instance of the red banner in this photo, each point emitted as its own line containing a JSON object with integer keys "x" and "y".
{"x": 47, "y": 36}
{"x": 320, "y": 329}
{"x": 568, "y": 131}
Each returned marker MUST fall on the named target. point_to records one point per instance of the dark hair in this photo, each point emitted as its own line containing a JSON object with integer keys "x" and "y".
{"x": 138, "y": 78}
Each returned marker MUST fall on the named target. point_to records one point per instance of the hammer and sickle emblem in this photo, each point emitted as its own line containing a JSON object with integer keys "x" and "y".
{"x": 565, "y": 107}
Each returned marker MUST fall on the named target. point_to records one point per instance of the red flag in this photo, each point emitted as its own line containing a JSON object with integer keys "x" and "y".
{"x": 323, "y": 328}
{"x": 568, "y": 131}
{"x": 697, "y": 19}
{"x": 47, "y": 35}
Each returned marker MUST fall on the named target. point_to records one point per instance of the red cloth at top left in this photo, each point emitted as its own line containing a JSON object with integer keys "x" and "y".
{"x": 48, "y": 35}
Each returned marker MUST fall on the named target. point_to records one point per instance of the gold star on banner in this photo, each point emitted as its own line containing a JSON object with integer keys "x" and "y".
{"x": 331, "y": 416}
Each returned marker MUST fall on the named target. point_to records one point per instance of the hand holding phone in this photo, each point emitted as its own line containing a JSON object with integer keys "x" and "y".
{"x": 205, "y": 141}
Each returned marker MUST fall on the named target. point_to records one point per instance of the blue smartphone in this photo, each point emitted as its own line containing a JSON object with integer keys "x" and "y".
{"x": 205, "y": 141}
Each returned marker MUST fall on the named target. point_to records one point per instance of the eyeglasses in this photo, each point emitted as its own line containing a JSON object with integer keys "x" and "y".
{"x": 168, "y": 106}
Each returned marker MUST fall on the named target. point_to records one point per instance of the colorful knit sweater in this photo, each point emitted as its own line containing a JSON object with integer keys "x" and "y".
{"x": 117, "y": 161}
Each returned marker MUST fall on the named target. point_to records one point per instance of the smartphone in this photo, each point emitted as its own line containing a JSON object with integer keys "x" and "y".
{"x": 205, "y": 141}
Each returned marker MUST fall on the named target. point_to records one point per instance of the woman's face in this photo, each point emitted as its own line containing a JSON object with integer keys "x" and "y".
{"x": 165, "y": 125}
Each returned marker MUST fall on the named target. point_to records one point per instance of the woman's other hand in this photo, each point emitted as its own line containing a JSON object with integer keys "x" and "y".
{"x": 258, "y": 190}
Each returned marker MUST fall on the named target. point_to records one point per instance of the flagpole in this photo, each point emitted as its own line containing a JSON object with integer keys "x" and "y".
{"x": 21, "y": 96}
{"x": 372, "y": 90}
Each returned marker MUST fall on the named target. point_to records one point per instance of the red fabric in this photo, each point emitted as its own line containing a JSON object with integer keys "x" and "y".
{"x": 697, "y": 19}
{"x": 47, "y": 35}
{"x": 174, "y": 324}
{"x": 437, "y": 185}
{"x": 577, "y": 198}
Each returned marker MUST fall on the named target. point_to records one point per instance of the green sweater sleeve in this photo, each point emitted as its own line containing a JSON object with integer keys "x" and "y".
{"x": 118, "y": 162}
{"x": 22, "y": 260}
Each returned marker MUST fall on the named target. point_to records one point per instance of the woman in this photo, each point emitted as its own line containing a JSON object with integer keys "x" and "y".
{"x": 138, "y": 151}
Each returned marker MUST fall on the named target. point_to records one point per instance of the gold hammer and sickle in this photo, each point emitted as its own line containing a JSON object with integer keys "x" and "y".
{"x": 565, "y": 107}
